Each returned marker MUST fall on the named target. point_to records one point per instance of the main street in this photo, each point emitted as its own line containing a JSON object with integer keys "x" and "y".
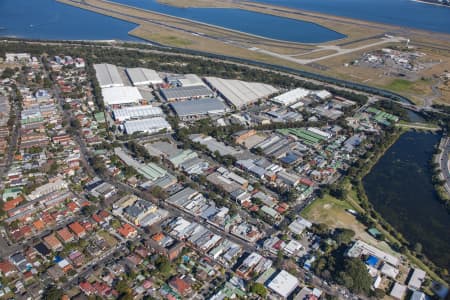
{"x": 16, "y": 109}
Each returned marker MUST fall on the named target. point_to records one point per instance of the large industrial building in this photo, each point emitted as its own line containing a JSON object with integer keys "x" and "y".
{"x": 291, "y": 97}
{"x": 152, "y": 125}
{"x": 121, "y": 95}
{"x": 197, "y": 109}
{"x": 184, "y": 80}
{"x": 183, "y": 93}
{"x": 108, "y": 75}
{"x": 240, "y": 93}
{"x": 143, "y": 76}
{"x": 137, "y": 112}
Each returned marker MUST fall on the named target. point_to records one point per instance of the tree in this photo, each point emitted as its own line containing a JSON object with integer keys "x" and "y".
{"x": 122, "y": 287}
{"x": 418, "y": 248}
{"x": 355, "y": 276}
{"x": 88, "y": 210}
{"x": 75, "y": 124}
{"x": 163, "y": 265}
{"x": 259, "y": 289}
{"x": 343, "y": 235}
{"x": 321, "y": 229}
{"x": 7, "y": 73}
{"x": 52, "y": 293}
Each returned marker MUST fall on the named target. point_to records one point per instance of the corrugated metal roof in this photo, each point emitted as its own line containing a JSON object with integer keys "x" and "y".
{"x": 147, "y": 125}
{"x": 143, "y": 76}
{"x": 108, "y": 75}
{"x": 137, "y": 112}
{"x": 186, "y": 92}
{"x": 199, "y": 107}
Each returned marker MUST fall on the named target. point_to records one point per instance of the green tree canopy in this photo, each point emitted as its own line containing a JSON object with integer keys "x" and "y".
{"x": 355, "y": 276}
{"x": 259, "y": 289}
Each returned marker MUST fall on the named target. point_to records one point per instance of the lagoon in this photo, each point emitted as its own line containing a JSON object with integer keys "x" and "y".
{"x": 48, "y": 19}
{"x": 399, "y": 187}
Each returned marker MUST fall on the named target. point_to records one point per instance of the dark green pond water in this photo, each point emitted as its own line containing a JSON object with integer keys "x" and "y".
{"x": 400, "y": 188}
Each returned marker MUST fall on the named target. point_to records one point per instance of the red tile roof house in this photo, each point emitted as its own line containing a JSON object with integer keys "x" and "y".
{"x": 7, "y": 269}
{"x": 64, "y": 235}
{"x": 79, "y": 230}
{"x": 127, "y": 231}
{"x": 180, "y": 285}
{"x": 87, "y": 288}
{"x": 52, "y": 242}
{"x": 98, "y": 219}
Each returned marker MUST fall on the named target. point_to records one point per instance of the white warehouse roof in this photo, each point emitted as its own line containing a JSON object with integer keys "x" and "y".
{"x": 135, "y": 112}
{"x": 108, "y": 75}
{"x": 152, "y": 125}
{"x": 240, "y": 93}
{"x": 190, "y": 80}
{"x": 323, "y": 94}
{"x": 121, "y": 95}
{"x": 291, "y": 97}
{"x": 283, "y": 284}
{"x": 143, "y": 76}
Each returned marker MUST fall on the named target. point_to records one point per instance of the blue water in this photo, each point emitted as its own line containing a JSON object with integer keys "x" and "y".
{"x": 401, "y": 190}
{"x": 395, "y": 12}
{"x": 48, "y": 19}
{"x": 254, "y": 23}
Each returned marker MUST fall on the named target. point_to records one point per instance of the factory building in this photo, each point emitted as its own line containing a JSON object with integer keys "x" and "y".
{"x": 121, "y": 95}
{"x": 198, "y": 109}
{"x": 240, "y": 93}
{"x": 108, "y": 75}
{"x": 137, "y": 112}
{"x": 152, "y": 125}
{"x": 185, "y": 80}
{"x": 144, "y": 77}
{"x": 291, "y": 97}
{"x": 183, "y": 93}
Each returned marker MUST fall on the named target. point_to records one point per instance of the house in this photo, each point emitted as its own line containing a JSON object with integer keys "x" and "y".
{"x": 175, "y": 250}
{"x": 127, "y": 231}
{"x": 52, "y": 242}
{"x": 7, "y": 269}
{"x": 416, "y": 279}
{"x": 398, "y": 291}
{"x": 77, "y": 229}
{"x": 180, "y": 285}
{"x": 64, "y": 235}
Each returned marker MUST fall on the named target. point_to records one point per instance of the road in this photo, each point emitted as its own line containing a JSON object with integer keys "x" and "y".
{"x": 339, "y": 51}
{"x": 444, "y": 163}
{"x": 16, "y": 110}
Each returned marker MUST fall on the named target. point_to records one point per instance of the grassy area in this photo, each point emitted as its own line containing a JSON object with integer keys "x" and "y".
{"x": 400, "y": 85}
{"x": 419, "y": 126}
{"x": 112, "y": 241}
{"x": 332, "y": 212}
